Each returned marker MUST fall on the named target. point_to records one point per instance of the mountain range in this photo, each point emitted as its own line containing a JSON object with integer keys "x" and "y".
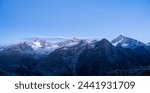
{"x": 76, "y": 57}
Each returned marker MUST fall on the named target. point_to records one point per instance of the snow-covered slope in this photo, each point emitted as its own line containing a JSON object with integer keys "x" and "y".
{"x": 42, "y": 46}
{"x": 45, "y": 47}
{"x": 126, "y": 42}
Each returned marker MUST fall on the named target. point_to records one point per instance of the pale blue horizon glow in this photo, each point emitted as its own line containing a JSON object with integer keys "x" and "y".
{"x": 71, "y": 18}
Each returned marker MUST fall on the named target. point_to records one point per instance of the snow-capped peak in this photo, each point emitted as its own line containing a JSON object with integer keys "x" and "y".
{"x": 39, "y": 46}
{"x": 118, "y": 40}
{"x": 37, "y": 43}
{"x": 126, "y": 42}
{"x": 41, "y": 43}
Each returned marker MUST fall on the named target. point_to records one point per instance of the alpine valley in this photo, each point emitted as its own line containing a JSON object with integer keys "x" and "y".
{"x": 76, "y": 57}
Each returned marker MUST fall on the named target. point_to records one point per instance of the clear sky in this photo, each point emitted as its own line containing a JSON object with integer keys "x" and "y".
{"x": 20, "y": 19}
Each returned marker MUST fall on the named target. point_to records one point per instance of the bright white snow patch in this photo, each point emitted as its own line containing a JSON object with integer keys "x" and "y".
{"x": 116, "y": 43}
{"x": 72, "y": 44}
{"x": 55, "y": 46}
{"x": 1, "y": 49}
{"x": 37, "y": 44}
{"x": 125, "y": 45}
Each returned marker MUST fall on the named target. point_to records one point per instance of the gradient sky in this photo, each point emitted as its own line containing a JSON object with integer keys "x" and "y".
{"x": 20, "y": 19}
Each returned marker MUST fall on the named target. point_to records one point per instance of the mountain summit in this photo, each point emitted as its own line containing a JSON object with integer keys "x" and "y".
{"x": 126, "y": 42}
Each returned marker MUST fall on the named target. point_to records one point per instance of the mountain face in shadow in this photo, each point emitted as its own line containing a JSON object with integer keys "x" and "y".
{"x": 76, "y": 57}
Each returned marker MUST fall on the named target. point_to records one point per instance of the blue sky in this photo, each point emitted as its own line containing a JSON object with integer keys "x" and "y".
{"x": 21, "y": 19}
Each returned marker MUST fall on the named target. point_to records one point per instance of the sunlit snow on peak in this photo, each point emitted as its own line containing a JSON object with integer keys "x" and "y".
{"x": 37, "y": 44}
{"x": 116, "y": 43}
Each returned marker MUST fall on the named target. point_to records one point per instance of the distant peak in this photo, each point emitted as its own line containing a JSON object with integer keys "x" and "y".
{"x": 104, "y": 41}
{"x": 121, "y": 36}
{"x": 126, "y": 42}
{"x": 75, "y": 38}
{"x": 118, "y": 39}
